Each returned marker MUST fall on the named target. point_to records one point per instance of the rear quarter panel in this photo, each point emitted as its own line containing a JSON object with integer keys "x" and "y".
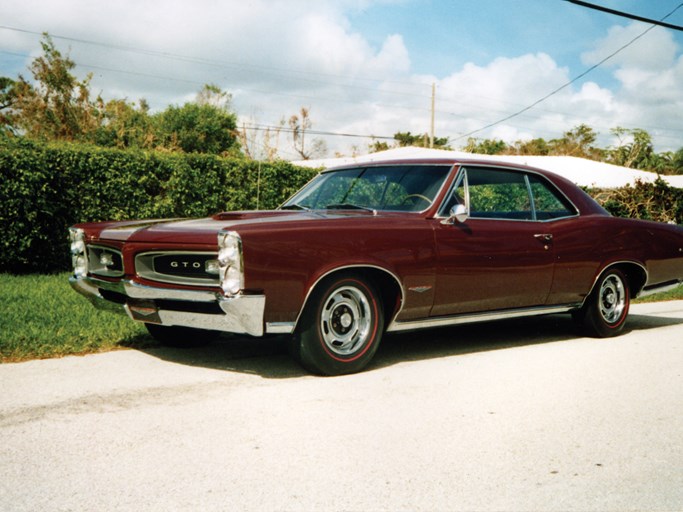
{"x": 587, "y": 245}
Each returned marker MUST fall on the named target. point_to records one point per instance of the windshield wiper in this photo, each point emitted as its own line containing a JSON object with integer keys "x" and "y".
{"x": 350, "y": 206}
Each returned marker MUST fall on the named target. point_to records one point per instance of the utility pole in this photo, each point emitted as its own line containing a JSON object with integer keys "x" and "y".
{"x": 431, "y": 131}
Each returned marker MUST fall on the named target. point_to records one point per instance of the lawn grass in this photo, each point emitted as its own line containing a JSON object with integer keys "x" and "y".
{"x": 41, "y": 317}
{"x": 676, "y": 294}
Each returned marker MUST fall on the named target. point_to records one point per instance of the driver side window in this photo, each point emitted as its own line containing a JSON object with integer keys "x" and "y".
{"x": 495, "y": 194}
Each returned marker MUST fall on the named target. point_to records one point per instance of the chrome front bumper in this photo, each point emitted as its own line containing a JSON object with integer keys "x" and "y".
{"x": 242, "y": 314}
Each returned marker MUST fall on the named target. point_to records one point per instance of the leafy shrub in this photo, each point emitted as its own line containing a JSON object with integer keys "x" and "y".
{"x": 656, "y": 201}
{"x": 44, "y": 188}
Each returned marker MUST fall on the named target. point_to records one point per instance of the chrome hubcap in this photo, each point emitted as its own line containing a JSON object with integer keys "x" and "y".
{"x": 612, "y": 299}
{"x": 346, "y": 320}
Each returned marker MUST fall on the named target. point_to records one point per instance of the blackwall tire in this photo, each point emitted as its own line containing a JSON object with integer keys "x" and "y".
{"x": 341, "y": 327}
{"x": 606, "y": 309}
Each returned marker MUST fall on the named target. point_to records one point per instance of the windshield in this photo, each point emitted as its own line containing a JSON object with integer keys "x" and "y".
{"x": 410, "y": 188}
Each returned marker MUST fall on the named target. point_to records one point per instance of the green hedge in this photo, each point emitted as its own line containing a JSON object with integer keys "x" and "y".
{"x": 44, "y": 188}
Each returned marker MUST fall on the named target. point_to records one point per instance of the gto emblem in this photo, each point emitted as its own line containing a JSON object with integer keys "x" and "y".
{"x": 186, "y": 264}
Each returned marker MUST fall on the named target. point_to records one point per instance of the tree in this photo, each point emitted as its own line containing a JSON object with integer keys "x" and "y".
{"x": 58, "y": 106}
{"x": 537, "y": 146}
{"x": 299, "y": 125}
{"x": 213, "y": 95}
{"x": 677, "y": 162}
{"x": 578, "y": 142}
{"x": 634, "y": 148}
{"x": 7, "y": 99}
{"x": 195, "y": 128}
{"x": 260, "y": 143}
{"x": 486, "y": 146}
{"x": 405, "y": 139}
{"x": 378, "y": 145}
{"x": 126, "y": 125}
{"x": 206, "y": 126}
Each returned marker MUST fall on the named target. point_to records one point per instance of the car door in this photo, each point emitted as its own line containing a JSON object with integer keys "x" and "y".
{"x": 501, "y": 256}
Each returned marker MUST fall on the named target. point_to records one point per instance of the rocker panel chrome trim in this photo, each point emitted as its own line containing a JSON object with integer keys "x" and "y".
{"x": 478, "y": 317}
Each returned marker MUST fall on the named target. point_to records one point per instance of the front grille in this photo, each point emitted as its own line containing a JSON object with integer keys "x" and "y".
{"x": 178, "y": 267}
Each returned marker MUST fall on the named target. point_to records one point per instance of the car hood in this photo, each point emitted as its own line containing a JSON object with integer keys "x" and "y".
{"x": 204, "y": 231}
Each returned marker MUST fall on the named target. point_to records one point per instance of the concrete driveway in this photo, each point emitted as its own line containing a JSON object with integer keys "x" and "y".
{"x": 519, "y": 415}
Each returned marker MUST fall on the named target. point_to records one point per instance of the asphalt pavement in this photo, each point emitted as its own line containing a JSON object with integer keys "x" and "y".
{"x": 520, "y": 415}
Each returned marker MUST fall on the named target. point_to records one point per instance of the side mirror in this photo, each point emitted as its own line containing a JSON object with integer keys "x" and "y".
{"x": 458, "y": 213}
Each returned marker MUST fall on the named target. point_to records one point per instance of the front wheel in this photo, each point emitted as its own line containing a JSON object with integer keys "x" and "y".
{"x": 605, "y": 311}
{"x": 341, "y": 327}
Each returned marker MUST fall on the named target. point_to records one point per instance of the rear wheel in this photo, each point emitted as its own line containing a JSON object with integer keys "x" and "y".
{"x": 341, "y": 327}
{"x": 606, "y": 309}
{"x": 180, "y": 337}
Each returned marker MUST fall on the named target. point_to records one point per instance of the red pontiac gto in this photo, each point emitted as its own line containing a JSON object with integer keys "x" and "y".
{"x": 387, "y": 246}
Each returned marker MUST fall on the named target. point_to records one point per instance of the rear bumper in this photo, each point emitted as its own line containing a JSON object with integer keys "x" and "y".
{"x": 242, "y": 314}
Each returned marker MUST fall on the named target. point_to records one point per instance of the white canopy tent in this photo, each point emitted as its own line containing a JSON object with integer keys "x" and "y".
{"x": 587, "y": 173}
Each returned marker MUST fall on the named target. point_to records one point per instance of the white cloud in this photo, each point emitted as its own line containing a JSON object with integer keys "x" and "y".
{"x": 656, "y": 50}
{"x": 276, "y": 56}
{"x": 392, "y": 58}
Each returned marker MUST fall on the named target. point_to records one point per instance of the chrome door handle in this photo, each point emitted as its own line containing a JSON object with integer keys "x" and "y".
{"x": 545, "y": 238}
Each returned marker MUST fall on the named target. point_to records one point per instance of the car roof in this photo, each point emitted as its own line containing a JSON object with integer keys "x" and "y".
{"x": 446, "y": 161}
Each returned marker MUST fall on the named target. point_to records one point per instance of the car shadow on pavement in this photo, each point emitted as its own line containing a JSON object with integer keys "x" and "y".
{"x": 268, "y": 357}
{"x": 645, "y": 322}
{"x": 499, "y": 335}
{"x": 472, "y": 338}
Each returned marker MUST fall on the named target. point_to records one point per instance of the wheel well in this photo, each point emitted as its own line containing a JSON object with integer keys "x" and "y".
{"x": 635, "y": 274}
{"x": 385, "y": 283}
{"x": 388, "y": 288}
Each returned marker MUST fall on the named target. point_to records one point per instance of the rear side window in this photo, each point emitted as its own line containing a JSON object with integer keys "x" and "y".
{"x": 548, "y": 202}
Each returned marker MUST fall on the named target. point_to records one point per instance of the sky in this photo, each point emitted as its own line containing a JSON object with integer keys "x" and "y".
{"x": 367, "y": 67}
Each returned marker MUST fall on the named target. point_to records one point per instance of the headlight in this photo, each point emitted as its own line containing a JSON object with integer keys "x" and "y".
{"x": 79, "y": 260}
{"x": 230, "y": 262}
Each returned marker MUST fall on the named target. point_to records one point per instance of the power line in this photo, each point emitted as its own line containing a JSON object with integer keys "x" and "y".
{"x": 575, "y": 79}
{"x": 212, "y": 63}
{"x": 262, "y": 127}
{"x": 88, "y": 66}
{"x": 626, "y": 14}
{"x": 216, "y": 63}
